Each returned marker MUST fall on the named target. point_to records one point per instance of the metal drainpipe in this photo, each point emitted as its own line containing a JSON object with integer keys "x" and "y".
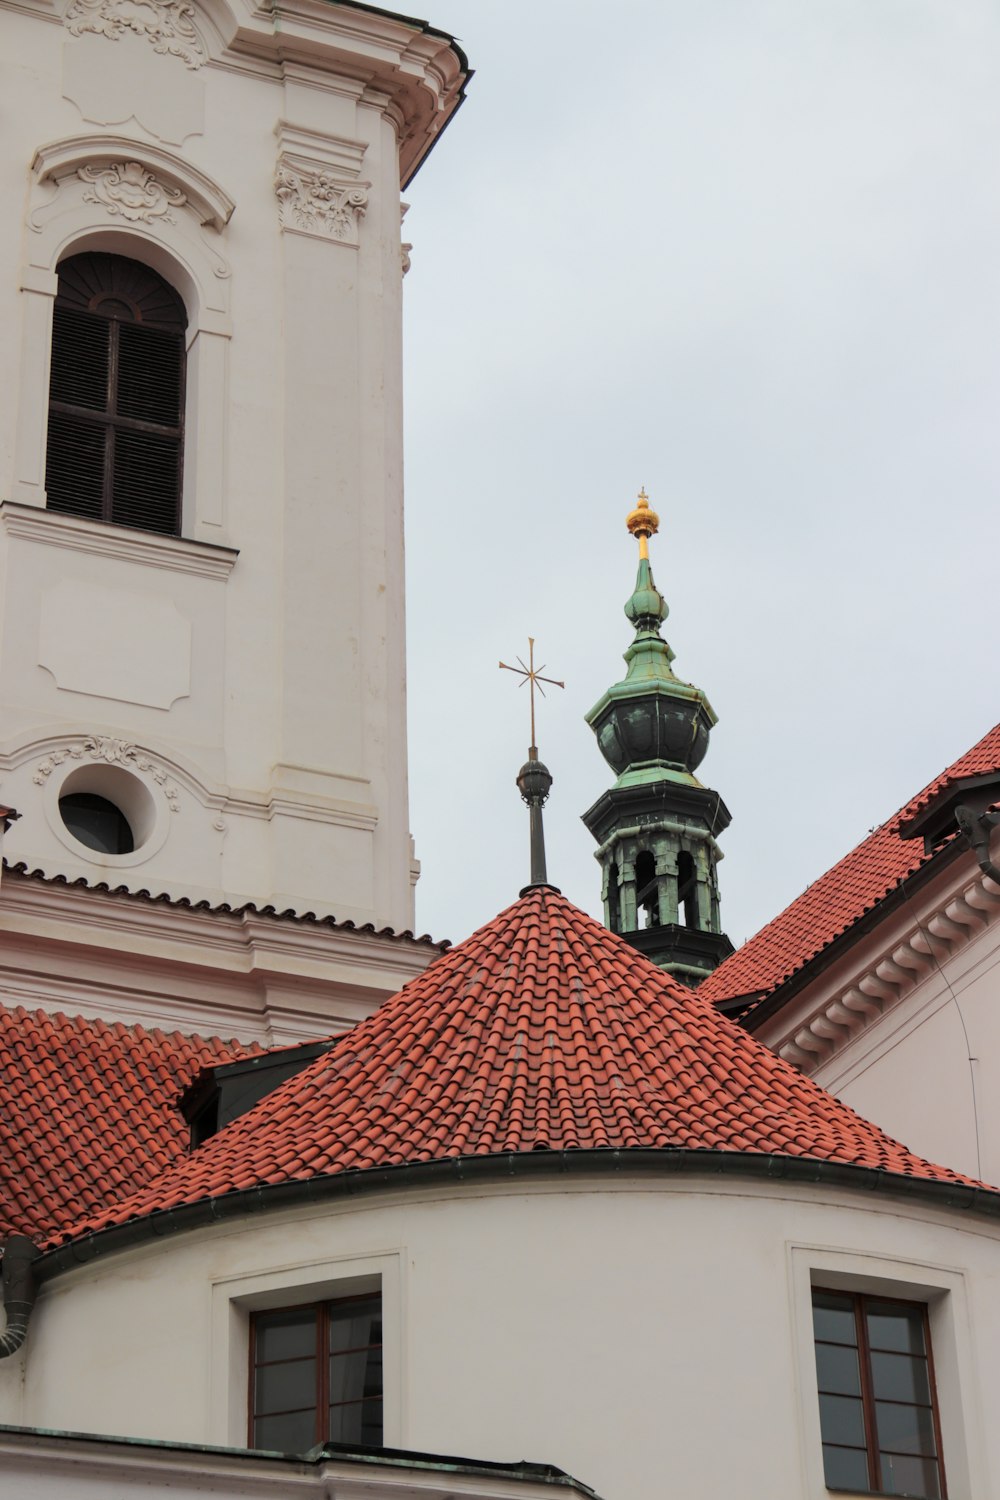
{"x": 976, "y": 832}
{"x": 19, "y": 1256}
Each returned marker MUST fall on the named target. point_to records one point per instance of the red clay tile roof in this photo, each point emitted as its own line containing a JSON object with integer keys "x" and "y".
{"x": 88, "y": 1112}
{"x": 840, "y": 898}
{"x": 542, "y": 1031}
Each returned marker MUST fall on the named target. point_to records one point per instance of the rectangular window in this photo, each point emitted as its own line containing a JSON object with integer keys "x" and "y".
{"x": 316, "y": 1375}
{"x": 877, "y": 1409}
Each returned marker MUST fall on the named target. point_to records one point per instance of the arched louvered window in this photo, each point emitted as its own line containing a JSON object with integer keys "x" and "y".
{"x": 116, "y": 395}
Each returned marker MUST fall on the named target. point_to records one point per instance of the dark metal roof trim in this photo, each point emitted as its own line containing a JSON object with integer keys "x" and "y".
{"x": 404, "y": 1458}
{"x": 640, "y": 1162}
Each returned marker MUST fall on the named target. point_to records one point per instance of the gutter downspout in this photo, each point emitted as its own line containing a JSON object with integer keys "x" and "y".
{"x": 19, "y": 1256}
{"x": 976, "y": 832}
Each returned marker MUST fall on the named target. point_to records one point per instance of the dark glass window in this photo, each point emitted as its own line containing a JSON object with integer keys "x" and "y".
{"x": 97, "y": 823}
{"x": 116, "y": 395}
{"x": 316, "y": 1375}
{"x": 878, "y": 1415}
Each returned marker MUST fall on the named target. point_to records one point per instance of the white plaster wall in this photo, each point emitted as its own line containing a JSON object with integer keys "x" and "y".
{"x": 649, "y": 1338}
{"x": 279, "y": 696}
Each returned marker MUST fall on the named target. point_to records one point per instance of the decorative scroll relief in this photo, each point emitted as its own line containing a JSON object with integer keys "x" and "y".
{"x": 117, "y": 753}
{"x": 407, "y": 245}
{"x": 130, "y": 191}
{"x": 883, "y": 985}
{"x": 317, "y": 202}
{"x": 168, "y": 25}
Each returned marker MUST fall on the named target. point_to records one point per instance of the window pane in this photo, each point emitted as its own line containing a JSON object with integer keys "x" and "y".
{"x": 845, "y": 1468}
{"x": 355, "y": 1323}
{"x": 893, "y": 1327}
{"x": 910, "y": 1476}
{"x": 347, "y": 1377}
{"x": 293, "y": 1433}
{"x": 285, "y": 1387}
{"x": 833, "y": 1318}
{"x": 841, "y": 1420}
{"x": 358, "y": 1422}
{"x": 353, "y": 1376}
{"x": 97, "y": 823}
{"x": 837, "y": 1369}
{"x": 900, "y": 1377}
{"x": 288, "y": 1334}
{"x": 905, "y": 1429}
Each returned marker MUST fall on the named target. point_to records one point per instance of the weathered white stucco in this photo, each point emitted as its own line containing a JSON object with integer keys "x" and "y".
{"x": 904, "y": 1025}
{"x": 247, "y": 679}
{"x": 649, "y": 1338}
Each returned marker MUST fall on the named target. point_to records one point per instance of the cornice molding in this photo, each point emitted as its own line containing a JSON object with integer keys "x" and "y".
{"x": 177, "y": 554}
{"x": 937, "y": 936}
{"x": 316, "y": 148}
{"x": 262, "y": 978}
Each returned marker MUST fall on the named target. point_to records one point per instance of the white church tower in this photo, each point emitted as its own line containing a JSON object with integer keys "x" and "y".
{"x": 202, "y": 657}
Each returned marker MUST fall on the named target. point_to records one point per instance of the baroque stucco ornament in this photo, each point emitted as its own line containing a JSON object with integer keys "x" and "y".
{"x": 116, "y": 752}
{"x": 319, "y": 203}
{"x": 167, "y": 24}
{"x": 129, "y": 190}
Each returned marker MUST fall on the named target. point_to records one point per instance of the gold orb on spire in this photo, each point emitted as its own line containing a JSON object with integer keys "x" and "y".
{"x": 643, "y": 522}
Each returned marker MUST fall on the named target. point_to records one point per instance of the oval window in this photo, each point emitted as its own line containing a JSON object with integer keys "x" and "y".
{"x": 97, "y": 823}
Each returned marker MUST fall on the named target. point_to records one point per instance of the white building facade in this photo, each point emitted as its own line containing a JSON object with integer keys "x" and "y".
{"x": 237, "y": 688}
{"x": 567, "y": 1212}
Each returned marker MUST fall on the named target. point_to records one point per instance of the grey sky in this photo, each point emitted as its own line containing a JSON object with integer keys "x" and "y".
{"x": 743, "y": 252}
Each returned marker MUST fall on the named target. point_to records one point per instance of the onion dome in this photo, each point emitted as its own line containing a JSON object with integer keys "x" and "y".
{"x": 651, "y": 725}
{"x": 543, "y": 1043}
{"x": 656, "y": 827}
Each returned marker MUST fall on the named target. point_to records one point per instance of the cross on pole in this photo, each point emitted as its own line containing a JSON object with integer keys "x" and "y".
{"x": 532, "y": 675}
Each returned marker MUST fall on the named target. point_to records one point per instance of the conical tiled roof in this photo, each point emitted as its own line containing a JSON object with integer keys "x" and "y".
{"x": 543, "y": 1032}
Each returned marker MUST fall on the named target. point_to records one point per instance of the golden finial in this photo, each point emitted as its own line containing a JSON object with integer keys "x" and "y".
{"x": 643, "y": 522}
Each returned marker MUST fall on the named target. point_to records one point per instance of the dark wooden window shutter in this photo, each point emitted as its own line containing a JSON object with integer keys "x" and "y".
{"x": 116, "y": 395}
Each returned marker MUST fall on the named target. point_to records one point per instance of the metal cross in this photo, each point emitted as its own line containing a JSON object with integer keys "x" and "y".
{"x": 532, "y": 674}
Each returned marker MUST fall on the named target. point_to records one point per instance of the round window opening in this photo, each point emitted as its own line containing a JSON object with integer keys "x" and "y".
{"x": 97, "y": 823}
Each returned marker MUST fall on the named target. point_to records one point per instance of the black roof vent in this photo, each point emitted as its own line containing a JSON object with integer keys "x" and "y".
{"x": 220, "y": 1095}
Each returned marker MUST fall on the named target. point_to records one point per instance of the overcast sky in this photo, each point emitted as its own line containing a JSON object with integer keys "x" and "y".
{"x": 745, "y": 253}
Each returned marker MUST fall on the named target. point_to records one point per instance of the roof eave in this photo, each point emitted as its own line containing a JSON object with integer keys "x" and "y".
{"x": 794, "y": 983}
{"x": 644, "y": 1162}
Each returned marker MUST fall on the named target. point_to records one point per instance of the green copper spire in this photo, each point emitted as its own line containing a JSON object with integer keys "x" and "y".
{"x": 656, "y": 826}
{"x": 651, "y": 726}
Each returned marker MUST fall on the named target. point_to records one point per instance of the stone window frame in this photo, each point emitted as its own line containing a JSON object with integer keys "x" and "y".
{"x": 183, "y": 240}
{"x": 944, "y": 1292}
{"x": 236, "y": 1297}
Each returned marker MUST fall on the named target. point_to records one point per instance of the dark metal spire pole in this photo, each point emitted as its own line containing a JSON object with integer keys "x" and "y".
{"x": 534, "y": 780}
{"x": 534, "y": 783}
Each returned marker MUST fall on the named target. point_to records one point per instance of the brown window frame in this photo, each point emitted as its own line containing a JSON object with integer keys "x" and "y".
{"x": 860, "y": 1302}
{"x": 321, "y": 1310}
{"x": 111, "y": 308}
